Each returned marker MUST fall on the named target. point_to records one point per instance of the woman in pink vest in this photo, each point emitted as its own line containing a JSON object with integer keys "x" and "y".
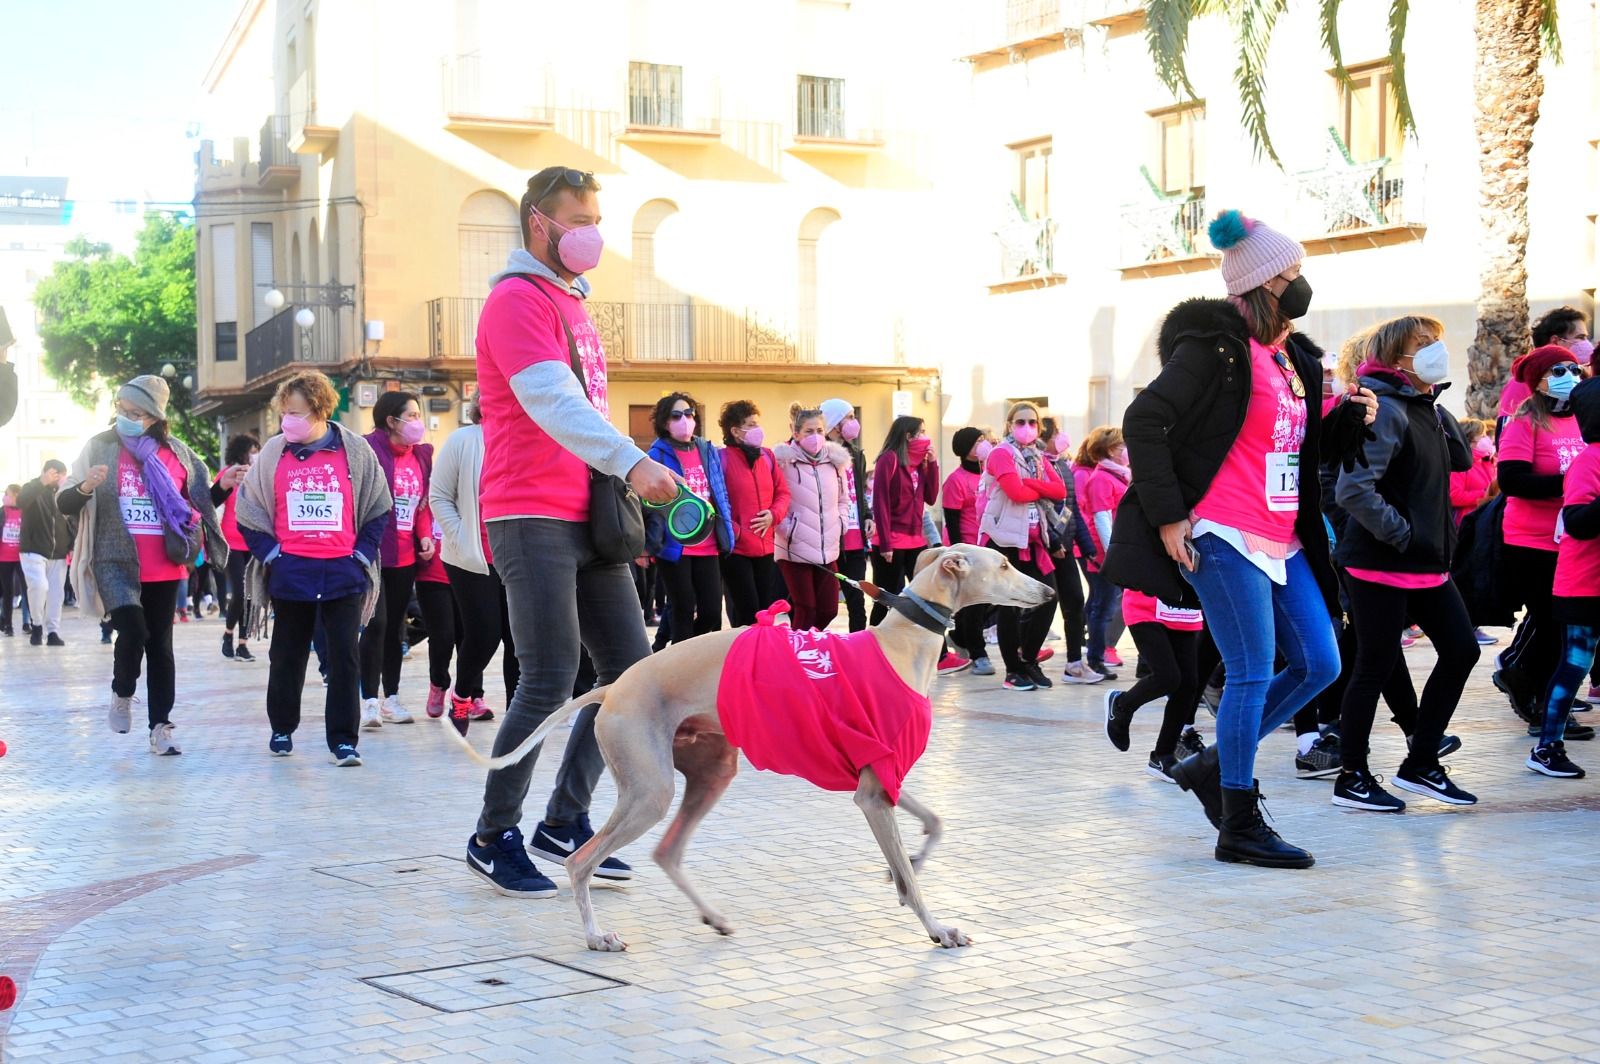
{"x": 809, "y": 539}
{"x": 905, "y": 479}
{"x": 314, "y": 508}
{"x": 758, "y": 500}
{"x": 242, "y": 450}
{"x": 1103, "y": 490}
{"x": 10, "y": 553}
{"x": 407, "y": 463}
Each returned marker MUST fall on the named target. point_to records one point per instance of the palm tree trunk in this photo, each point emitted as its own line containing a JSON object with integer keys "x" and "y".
{"x": 1508, "y": 87}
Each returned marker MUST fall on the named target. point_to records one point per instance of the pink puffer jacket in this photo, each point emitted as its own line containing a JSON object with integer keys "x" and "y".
{"x": 818, "y": 504}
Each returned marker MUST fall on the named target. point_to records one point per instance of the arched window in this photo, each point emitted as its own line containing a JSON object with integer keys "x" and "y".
{"x": 661, "y": 325}
{"x": 818, "y": 319}
{"x": 487, "y": 230}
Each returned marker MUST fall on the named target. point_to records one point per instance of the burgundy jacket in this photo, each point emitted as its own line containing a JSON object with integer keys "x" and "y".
{"x": 894, "y": 507}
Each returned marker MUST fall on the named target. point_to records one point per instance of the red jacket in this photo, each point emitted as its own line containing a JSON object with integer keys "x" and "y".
{"x": 896, "y": 508}
{"x": 751, "y": 490}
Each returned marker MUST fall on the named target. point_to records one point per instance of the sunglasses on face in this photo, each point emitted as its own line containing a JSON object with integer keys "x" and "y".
{"x": 574, "y": 178}
{"x": 679, "y": 415}
{"x": 1025, "y": 421}
{"x": 1565, "y": 370}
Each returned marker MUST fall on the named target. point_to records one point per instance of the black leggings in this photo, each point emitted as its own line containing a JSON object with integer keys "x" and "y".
{"x": 1399, "y": 694}
{"x": 485, "y": 624}
{"x": 237, "y": 560}
{"x": 694, "y": 591}
{"x": 1069, "y": 590}
{"x": 144, "y": 637}
{"x": 1380, "y": 614}
{"x": 853, "y": 563}
{"x": 293, "y": 624}
{"x": 893, "y": 575}
{"x": 968, "y": 633}
{"x": 8, "y": 580}
{"x": 380, "y": 642}
{"x": 752, "y": 586}
{"x": 1174, "y": 671}
{"x": 1022, "y": 631}
{"x": 439, "y": 614}
{"x": 1532, "y": 656}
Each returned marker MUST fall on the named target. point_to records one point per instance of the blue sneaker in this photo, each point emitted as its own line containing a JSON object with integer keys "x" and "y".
{"x": 505, "y": 864}
{"x": 556, "y": 844}
{"x": 280, "y": 745}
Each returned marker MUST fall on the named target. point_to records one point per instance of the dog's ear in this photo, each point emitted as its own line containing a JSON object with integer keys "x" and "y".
{"x": 954, "y": 564}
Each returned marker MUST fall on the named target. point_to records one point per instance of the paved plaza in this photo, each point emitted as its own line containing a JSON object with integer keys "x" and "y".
{"x": 229, "y": 906}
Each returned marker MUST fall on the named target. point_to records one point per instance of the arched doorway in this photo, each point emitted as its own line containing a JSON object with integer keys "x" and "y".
{"x": 661, "y": 325}
{"x": 816, "y": 310}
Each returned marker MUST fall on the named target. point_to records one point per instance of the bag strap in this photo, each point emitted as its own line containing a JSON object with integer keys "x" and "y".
{"x": 572, "y": 343}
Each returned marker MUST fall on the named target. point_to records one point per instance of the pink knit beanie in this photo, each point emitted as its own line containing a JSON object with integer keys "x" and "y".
{"x": 1253, "y": 253}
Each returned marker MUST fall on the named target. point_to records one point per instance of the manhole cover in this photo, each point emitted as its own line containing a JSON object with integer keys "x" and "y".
{"x": 486, "y": 984}
{"x": 400, "y": 872}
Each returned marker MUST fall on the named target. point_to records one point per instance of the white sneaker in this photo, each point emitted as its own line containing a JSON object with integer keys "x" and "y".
{"x": 121, "y": 715}
{"x": 1078, "y": 672}
{"x": 161, "y": 741}
{"x": 393, "y": 712}
{"x": 370, "y": 718}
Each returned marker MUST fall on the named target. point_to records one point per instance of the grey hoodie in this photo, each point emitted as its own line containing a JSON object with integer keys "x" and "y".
{"x": 553, "y": 398}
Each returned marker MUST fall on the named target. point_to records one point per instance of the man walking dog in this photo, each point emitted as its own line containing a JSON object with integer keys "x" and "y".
{"x": 542, "y": 390}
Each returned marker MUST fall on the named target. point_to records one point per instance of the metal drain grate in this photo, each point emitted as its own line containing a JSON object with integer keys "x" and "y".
{"x": 487, "y": 984}
{"x": 400, "y": 872}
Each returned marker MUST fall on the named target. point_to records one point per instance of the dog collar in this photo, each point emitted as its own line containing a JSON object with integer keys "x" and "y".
{"x": 918, "y": 610}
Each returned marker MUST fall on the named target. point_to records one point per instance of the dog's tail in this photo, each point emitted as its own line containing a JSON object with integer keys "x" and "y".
{"x": 596, "y": 697}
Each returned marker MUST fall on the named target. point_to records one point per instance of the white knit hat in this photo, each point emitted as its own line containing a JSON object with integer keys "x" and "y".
{"x": 1253, "y": 253}
{"x": 835, "y": 411}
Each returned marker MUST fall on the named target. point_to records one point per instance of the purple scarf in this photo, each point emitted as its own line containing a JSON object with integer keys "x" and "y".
{"x": 176, "y": 513}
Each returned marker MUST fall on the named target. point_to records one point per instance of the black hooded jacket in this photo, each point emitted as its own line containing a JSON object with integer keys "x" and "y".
{"x": 1181, "y": 428}
{"x": 1582, "y": 520}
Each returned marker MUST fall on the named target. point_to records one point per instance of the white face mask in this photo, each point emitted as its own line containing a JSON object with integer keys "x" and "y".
{"x": 1432, "y": 363}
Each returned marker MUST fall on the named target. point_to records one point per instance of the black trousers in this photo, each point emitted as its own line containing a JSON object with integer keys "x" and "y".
{"x": 1399, "y": 694}
{"x": 1533, "y": 654}
{"x": 485, "y": 624}
{"x": 1173, "y": 657}
{"x": 893, "y": 575}
{"x": 380, "y": 641}
{"x": 968, "y": 633}
{"x": 1069, "y": 592}
{"x": 1380, "y": 614}
{"x": 144, "y": 637}
{"x": 9, "y": 572}
{"x": 293, "y": 623}
{"x": 694, "y": 591}
{"x": 439, "y": 614}
{"x": 237, "y": 560}
{"x": 752, "y": 585}
{"x": 853, "y": 563}
{"x": 1022, "y": 631}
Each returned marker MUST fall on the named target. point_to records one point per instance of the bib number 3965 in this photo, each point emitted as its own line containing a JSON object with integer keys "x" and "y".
{"x": 1283, "y": 482}
{"x": 316, "y": 511}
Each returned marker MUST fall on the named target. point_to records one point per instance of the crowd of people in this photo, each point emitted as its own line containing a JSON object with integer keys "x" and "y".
{"x": 1270, "y": 545}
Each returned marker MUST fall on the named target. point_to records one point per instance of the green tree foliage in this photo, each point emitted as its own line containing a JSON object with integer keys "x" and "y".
{"x": 105, "y": 318}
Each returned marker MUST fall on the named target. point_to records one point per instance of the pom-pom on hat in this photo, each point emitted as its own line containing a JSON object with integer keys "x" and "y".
{"x": 1253, "y": 252}
{"x": 1531, "y": 367}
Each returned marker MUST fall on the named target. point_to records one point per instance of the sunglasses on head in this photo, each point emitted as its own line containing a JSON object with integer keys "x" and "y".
{"x": 1566, "y": 369}
{"x": 679, "y": 415}
{"x": 574, "y": 178}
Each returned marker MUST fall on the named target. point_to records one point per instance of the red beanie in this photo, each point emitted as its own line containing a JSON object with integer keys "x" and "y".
{"x": 1531, "y": 367}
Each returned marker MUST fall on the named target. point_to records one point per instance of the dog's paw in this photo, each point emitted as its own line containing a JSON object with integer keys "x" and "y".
{"x": 950, "y": 938}
{"x": 606, "y": 942}
{"x": 717, "y": 923}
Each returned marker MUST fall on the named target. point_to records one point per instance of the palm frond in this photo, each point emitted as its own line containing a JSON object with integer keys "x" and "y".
{"x": 1399, "y": 10}
{"x": 1253, "y": 22}
{"x": 1166, "y": 34}
{"x": 1547, "y": 29}
{"x": 1329, "y": 15}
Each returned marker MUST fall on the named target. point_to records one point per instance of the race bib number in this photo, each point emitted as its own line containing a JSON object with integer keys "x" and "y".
{"x": 852, "y": 520}
{"x": 405, "y": 512}
{"x": 316, "y": 511}
{"x": 1283, "y": 481}
{"x": 12, "y": 533}
{"x": 139, "y": 514}
{"x": 1175, "y": 615}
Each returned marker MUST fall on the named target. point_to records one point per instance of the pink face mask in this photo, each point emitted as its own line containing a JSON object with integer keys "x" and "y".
{"x": 682, "y": 429}
{"x": 917, "y": 449}
{"x": 296, "y": 429}
{"x": 849, "y": 428}
{"x": 1061, "y": 443}
{"x": 411, "y": 432}
{"x": 753, "y": 437}
{"x": 981, "y": 451}
{"x": 577, "y": 249}
{"x": 811, "y": 444}
{"x": 1484, "y": 447}
{"x": 1583, "y": 350}
{"x": 1025, "y": 434}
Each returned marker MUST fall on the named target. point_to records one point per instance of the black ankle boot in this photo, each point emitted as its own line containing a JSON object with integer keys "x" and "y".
{"x": 1202, "y": 774}
{"x": 1245, "y": 837}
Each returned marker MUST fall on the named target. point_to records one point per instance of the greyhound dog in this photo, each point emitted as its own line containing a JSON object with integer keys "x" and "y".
{"x": 662, "y": 713}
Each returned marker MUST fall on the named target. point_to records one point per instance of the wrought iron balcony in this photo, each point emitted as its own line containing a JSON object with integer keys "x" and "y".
{"x": 276, "y": 166}
{"x": 1027, "y": 248}
{"x": 279, "y": 342}
{"x": 486, "y": 96}
{"x": 1163, "y": 228}
{"x": 1344, "y": 196}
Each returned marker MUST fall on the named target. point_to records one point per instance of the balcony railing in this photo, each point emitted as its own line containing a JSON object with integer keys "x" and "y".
{"x": 274, "y": 144}
{"x": 1346, "y": 196}
{"x": 476, "y": 91}
{"x": 279, "y": 342}
{"x": 1027, "y": 248}
{"x": 1168, "y": 227}
{"x": 1027, "y": 19}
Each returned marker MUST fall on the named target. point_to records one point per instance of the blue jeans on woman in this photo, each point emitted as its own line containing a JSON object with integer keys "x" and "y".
{"x": 1104, "y": 614}
{"x": 1252, "y": 619}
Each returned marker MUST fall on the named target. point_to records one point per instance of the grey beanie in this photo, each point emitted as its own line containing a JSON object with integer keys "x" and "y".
{"x": 147, "y": 392}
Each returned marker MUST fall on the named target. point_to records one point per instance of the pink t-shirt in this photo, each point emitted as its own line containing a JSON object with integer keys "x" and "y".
{"x": 140, "y": 516}
{"x": 1512, "y": 396}
{"x": 11, "y": 536}
{"x": 230, "y": 521}
{"x": 694, "y": 475}
{"x": 1103, "y": 491}
{"x": 525, "y": 472}
{"x": 961, "y": 493}
{"x": 315, "y": 505}
{"x": 1578, "y": 560}
{"x": 1257, "y": 490}
{"x": 853, "y": 537}
{"x": 407, "y": 501}
{"x": 1532, "y": 522}
{"x": 1139, "y": 608}
{"x": 1407, "y": 581}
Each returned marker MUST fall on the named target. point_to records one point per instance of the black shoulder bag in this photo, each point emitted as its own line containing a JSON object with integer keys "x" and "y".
{"x": 616, "y": 520}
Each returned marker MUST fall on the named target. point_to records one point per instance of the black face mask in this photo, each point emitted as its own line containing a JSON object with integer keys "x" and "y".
{"x": 1296, "y": 299}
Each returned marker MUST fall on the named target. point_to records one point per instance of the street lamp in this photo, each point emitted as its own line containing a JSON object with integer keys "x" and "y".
{"x": 188, "y": 383}
{"x": 273, "y": 299}
{"x": 305, "y": 318}
{"x": 169, "y": 371}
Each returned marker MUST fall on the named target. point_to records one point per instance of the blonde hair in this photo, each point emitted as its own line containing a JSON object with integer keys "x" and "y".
{"x": 800, "y": 413}
{"x": 1099, "y": 444}
{"x": 1015, "y": 408}
{"x": 1351, "y": 353}
{"x": 1474, "y": 429}
{"x": 315, "y": 388}
{"x": 1386, "y": 341}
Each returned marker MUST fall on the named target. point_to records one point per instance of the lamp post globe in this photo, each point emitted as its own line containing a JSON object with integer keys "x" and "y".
{"x": 305, "y": 318}
{"x": 273, "y": 299}
{"x": 169, "y": 371}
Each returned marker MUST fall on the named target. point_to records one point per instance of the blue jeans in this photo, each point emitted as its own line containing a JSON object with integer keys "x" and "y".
{"x": 1252, "y": 619}
{"x": 1581, "y": 637}
{"x": 1104, "y": 614}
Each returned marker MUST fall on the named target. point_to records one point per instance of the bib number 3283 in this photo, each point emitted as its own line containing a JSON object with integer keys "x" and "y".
{"x": 139, "y": 516}
{"x": 1283, "y": 481}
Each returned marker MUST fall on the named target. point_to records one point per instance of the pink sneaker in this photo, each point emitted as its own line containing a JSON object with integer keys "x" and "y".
{"x": 1112, "y": 657}
{"x": 460, "y": 712}
{"x": 480, "y": 710}
{"x": 953, "y": 663}
{"x": 1045, "y": 654}
{"x": 435, "y": 701}
{"x": 1406, "y": 642}
{"x": 1594, "y": 692}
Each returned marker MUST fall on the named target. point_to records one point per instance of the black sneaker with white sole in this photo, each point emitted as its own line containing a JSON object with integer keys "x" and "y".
{"x": 1016, "y": 681}
{"x": 1551, "y": 760}
{"x": 1434, "y": 783}
{"x": 558, "y": 842}
{"x": 1360, "y": 790}
{"x": 1448, "y": 744}
{"x": 1324, "y": 759}
{"x": 1160, "y": 766}
{"x": 344, "y": 755}
{"x": 505, "y": 865}
{"x": 1117, "y": 723}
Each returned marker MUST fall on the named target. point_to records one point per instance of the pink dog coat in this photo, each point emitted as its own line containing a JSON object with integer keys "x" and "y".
{"x": 820, "y": 706}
